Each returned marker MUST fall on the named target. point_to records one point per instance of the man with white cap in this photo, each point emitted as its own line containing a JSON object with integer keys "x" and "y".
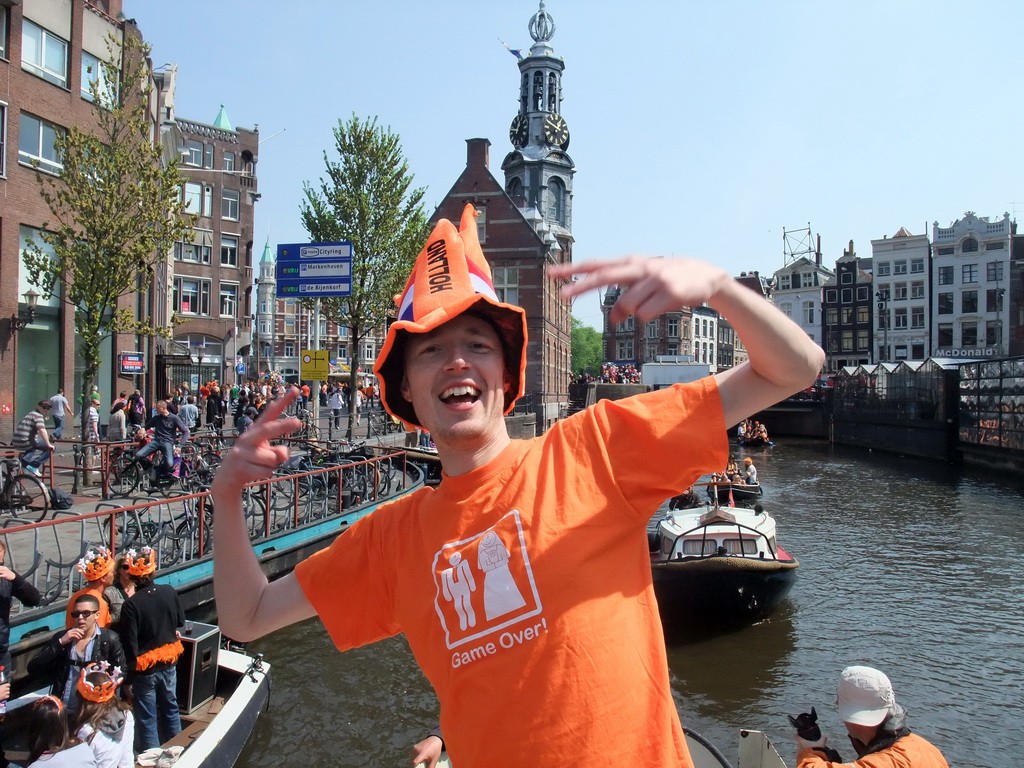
{"x": 523, "y": 581}
{"x": 876, "y": 724}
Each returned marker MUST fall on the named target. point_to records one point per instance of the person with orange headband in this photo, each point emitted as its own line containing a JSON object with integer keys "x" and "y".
{"x": 104, "y": 721}
{"x": 522, "y": 582}
{"x": 150, "y": 620}
{"x": 50, "y": 742}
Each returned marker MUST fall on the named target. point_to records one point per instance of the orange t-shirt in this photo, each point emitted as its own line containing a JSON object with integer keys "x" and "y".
{"x": 103, "y": 620}
{"x": 524, "y": 586}
{"x": 910, "y": 750}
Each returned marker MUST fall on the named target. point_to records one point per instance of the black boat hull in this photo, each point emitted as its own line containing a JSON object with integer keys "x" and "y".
{"x": 723, "y": 590}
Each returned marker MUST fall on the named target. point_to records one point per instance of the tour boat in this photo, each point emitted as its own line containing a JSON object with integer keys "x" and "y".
{"x": 739, "y": 493}
{"x": 719, "y": 564}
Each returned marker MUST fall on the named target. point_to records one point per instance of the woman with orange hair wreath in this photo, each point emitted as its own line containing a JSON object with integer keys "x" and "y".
{"x": 97, "y": 566}
{"x": 149, "y": 629}
{"x": 104, "y": 721}
{"x": 50, "y": 743}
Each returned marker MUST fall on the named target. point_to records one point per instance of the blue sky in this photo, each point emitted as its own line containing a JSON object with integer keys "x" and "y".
{"x": 698, "y": 129}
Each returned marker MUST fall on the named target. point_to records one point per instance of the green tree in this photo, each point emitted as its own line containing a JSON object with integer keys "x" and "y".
{"x": 586, "y": 347}
{"x": 116, "y": 205}
{"x": 366, "y": 197}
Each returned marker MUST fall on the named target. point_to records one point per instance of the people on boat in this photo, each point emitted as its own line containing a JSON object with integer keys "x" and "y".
{"x": 534, "y": 672}
{"x": 876, "y": 725}
{"x": 122, "y": 588}
{"x": 749, "y": 471}
{"x": 105, "y": 721}
{"x": 150, "y": 620}
{"x": 50, "y": 742}
{"x": 97, "y": 568}
{"x": 62, "y": 658}
{"x": 12, "y": 585}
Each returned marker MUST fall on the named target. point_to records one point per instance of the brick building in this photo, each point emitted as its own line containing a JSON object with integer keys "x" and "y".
{"x": 48, "y": 53}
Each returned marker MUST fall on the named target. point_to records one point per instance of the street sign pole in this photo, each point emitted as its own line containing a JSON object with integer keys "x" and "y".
{"x": 314, "y": 390}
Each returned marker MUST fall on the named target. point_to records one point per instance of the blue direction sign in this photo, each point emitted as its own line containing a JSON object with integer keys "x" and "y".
{"x": 311, "y": 270}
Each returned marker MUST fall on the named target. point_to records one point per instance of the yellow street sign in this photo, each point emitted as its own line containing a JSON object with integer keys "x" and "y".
{"x": 315, "y": 364}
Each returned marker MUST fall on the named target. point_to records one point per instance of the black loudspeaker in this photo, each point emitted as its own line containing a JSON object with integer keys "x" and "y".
{"x": 197, "y": 666}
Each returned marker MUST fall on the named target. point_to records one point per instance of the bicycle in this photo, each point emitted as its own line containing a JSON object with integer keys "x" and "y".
{"x": 308, "y": 430}
{"x": 127, "y": 473}
{"x": 22, "y": 495}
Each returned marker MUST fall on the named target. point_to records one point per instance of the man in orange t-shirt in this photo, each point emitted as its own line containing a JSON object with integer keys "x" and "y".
{"x": 523, "y": 581}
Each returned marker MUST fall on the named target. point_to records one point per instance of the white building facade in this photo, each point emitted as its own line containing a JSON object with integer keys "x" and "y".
{"x": 970, "y": 277}
{"x": 902, "y": 289}
{"x": 798, "y": 294}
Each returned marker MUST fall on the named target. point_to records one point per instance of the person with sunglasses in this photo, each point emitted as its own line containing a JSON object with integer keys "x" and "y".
{"x": 70, "y": 650}
{"x": 118, "y": 593}
{"x": 97, "y": 568}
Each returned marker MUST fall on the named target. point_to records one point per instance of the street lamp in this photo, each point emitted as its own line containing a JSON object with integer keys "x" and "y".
{"x": 883, "y": 317}
{"x": 18, "y": 323}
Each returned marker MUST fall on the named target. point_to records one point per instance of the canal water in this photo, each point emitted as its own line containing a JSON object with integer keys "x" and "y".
{"x": 909, "y": 566}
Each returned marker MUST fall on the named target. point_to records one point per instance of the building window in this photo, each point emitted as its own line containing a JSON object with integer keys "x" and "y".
{"x": 506, "y": 284}
{"x": 863, "y": 341}
{"x": 917, "y": 350}
{"x": 831, "y": 295}
{"x": 994, "y": 271}
{"x": 672, "y": 327}
{"x": 999, "y": 246}
{"x": 195, "y": 153}
{"x": 945, "y": 303}
{"x": 992, "y": 328}
{"x": 556, "y": 201}
{"x": 863, "y": 314}
{"x": 916, "y": 266}
{"x": 343, "y": 351}
{"x": 93, "y": 71}
{"x": 847, "y": 341}
{"x": 194, "y": 252}
{"x": 192, "y": 197}
{"x": 946, "y": 251}
{"x": 228, "y": 161}
{"x": 969, "y": 301}
{"x": 970, "y": 245}
{"x": 652, "y": 329}
{"x": 945, "y": 334}
{"x": 652, "y": 353}
{"x": 625, "y": 326}
{"x": 831, "y": 316}
{"x": 37, "y": 144}
{"x": 3, "y": 127}
{"x": 289, "y": 349}
{"x": 846, "y": 277}
{"x": 969, "y": 273}
{"x": 207, "y": 201}
{"x": 917, "y": 289}
{"x": 786, "y": 309}
{"x": 899, "y": 291}
{"x": 945, "y": 275}
{"x": 863, "y": 293}
{"x": 673, "y": 349}
{"x": 44, "y": 54}
{"x": 847, "y": 295}
{"x": 883, "y": 269}
{"x": 624, "y": 349}
{"x": 228, "y": 299}
{"x": 847, "y": 313}
{"x": 900, "y": 317}
{"x": 191, "y": 296}
{"x": 229, "y": 205}
{"x": 3, "y": 31}
{"x": 899, "y": 267}
{"x": 969, "y": 334}
{"x": 228, "y": 251}
{"x": 783, "y": 282}
{"x": 369, "y": 350}
{"x": 807, "y": 279}
{"x": 208, "y": 156}
{"x": 917, "y": 317}
{"x": 994, "y": 300}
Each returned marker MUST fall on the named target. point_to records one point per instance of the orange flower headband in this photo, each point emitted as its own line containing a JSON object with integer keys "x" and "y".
{"x": 141, "y": 563}
{"x": 99, "y": 692}
{"x": 96, "y": 564}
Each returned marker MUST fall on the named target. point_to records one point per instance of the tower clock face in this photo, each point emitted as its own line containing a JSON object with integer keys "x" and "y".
{"x": 519, "y": 131}
{"x": 556, "y": 132}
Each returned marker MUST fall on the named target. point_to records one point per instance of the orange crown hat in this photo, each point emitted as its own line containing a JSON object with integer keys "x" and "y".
{"x": 450, "y": 277}
{"x": 142, "y": 562}
{"x": 96, "y": 564}
{"x": 99, "y": 691}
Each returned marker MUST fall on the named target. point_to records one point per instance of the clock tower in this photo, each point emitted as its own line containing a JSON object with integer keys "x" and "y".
{"x": 539, "y": 171}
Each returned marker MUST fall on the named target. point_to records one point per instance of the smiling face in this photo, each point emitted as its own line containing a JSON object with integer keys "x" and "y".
{"x": 455, "y": 378}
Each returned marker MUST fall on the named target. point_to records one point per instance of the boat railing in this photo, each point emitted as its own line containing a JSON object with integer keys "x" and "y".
{"x": 725, "y": 525}
{"x": 179, "y": 526}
